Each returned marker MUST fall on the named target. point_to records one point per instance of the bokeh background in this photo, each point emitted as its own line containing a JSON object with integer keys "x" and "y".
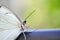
{"x": 47, "y": 14}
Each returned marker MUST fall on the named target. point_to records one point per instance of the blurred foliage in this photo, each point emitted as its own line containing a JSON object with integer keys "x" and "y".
{"x": 47, "y": 14}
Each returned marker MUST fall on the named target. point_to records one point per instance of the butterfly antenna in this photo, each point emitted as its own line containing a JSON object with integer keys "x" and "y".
{"x": 30, "y": 14}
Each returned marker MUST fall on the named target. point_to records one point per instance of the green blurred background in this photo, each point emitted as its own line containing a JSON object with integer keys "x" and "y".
{"x": 47, "y": 14}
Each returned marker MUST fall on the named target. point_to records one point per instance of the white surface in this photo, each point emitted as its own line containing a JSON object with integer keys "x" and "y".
{"x": 9, "y": 34}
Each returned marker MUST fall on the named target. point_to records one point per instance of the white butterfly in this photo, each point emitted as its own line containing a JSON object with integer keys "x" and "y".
{"x": 10, "y": 24}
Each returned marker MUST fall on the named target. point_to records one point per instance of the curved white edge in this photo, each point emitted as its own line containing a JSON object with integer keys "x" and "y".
{"x": 52, "y": 29}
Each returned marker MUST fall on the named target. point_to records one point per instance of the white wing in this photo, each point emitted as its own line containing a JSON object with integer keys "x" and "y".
{"x": 8, "y": 25}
